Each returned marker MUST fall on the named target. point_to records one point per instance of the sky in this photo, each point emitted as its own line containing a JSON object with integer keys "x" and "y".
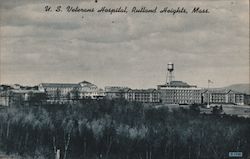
{"x": 124, "y": 49}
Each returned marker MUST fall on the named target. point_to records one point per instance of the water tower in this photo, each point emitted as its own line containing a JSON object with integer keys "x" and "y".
{"x": 170, "y": 73}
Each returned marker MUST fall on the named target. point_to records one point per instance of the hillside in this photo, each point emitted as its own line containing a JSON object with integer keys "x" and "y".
{"x": 243, "y": 88}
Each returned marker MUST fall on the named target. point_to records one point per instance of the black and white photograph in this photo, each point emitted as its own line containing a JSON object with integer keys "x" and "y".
{"x": 124, "y": 79}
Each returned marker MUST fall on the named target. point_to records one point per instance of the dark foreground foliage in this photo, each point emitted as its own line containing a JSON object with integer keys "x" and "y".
{"x": 116, "y": 129}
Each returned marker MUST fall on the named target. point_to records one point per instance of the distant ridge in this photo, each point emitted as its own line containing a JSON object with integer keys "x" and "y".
{"x": 243, "y": 88}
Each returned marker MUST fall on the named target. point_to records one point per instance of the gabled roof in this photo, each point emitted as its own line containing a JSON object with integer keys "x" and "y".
{"x": 221, "y": 91}
{"x": 116, "y": 89}
{"x": 142, "y": 90}
{"x": 60, "y": 85}
{"x": 87, "y": 84}
{"x": 26, "y": 91}
{"x": 179, "y": 84}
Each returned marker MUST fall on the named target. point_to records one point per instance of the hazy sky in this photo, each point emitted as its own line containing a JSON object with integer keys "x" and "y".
{"x": 124, "y": 49}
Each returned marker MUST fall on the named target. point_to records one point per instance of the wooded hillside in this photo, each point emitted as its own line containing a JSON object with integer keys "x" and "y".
{"x": 117, "y": 129}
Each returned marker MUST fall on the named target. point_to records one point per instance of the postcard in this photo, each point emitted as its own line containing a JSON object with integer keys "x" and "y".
{"x": 116, "y": 79}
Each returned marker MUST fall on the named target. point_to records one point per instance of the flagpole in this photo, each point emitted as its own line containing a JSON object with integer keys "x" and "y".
{"x": 208, "y": 101}
{"x": 208, "y": 98}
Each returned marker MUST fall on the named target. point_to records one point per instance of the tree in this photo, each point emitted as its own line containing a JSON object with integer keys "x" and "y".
{"x": 58, "y": 94}
{"x": 194, "y": 109}
{"x": 119, "y": 129}
{"x": 76, "y": 94}
{"x": 37, "y": 98}
{"x": 217, "y": 110}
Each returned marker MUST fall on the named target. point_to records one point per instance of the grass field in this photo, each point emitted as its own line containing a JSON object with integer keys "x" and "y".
{"x": 239, "y": 110}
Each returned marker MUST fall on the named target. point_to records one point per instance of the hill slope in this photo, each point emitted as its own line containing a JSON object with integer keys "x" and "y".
{"x": 243, "y": 88}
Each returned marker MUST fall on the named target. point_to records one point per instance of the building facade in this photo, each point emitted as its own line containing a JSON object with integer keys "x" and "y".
{"x": 220, "y": 96}
{"x": 68, "y": 91}
{"x": 115, "y": 92}
{"x": 247, "y": 99}
{"x": 4, "y": 98}
{"x": 22, "y": 97}
{"x": 143, "y": 95}
{"x": 58, "y": 91}
{"x": 178, "y": 92}
{"x": 89, "y": 90}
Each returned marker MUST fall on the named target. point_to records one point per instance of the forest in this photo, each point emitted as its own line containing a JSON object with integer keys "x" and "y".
{"x": 117, "y": 129}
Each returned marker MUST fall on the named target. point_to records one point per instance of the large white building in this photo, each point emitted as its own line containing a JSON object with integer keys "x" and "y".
{"x": 64, "y": 91}
{"x": 142, "y": 95}
{"x": 114, "y": 92}
{"x": 222, "y": 96}
{"x": 178, "y": 92}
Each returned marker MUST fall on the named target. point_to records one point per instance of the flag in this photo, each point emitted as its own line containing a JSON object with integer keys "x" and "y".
{"x": 209, "y": 81}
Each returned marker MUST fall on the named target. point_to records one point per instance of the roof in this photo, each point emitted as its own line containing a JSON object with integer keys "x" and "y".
{"x": 83, "y": 84}
{"x": 60, "y": 85}
{"x": 26, "y": 91}
{"x": 114, "y": 89}
{"x": 5, "y": 87}
{"x": 221, "y": 91}
{"x": 87, "y": 84}
{"x": 142, "y": 90}
{"x": 177, "y": 84}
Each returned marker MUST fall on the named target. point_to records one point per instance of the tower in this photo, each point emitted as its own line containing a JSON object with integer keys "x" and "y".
{"x": 170, "y": 73}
